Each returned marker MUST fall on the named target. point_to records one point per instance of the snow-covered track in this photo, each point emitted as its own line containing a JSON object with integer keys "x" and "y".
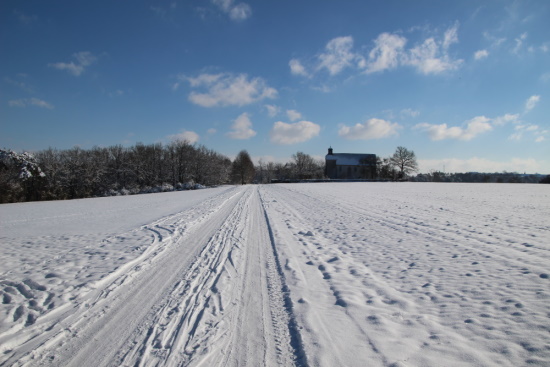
{"x": 202, "y": 293}
{"x": 349, "y": 274}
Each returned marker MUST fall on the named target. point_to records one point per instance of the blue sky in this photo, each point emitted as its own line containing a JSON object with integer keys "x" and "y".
{"x": 464, "y": 84}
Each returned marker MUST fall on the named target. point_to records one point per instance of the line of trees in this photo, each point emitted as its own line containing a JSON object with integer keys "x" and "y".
{"x": 116, "y": 170}
{"x": 302, "y": 166}
{"x": 481, "y": 177}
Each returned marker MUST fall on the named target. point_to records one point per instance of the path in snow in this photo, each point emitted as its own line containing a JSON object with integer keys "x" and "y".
{"x": 374, "y": 274}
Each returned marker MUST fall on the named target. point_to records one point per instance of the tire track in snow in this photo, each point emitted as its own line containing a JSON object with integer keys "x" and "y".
{"x": 406, "y": 294}
{"x": 91, "y": 330}
{"x": 279, "y": 281}
{"x": 211, "y": 294}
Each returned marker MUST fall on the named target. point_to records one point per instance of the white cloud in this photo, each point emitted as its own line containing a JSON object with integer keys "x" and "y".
{"x": 71, "y": 67}
{"x": 429, "y": 57}
{"x": 284, "y": 134}
{"x": 185, "y": 135}
{"x": 507, "y": 118}
{"x": 296, "y": 68}
{"x": 237, "y": 12}
{"x": 387, "y": 52}
{"x": 83, "y": 60}
{"x": 474, "y": 127}
{"x": 531, "y": 102}
{"x": 293, "y": 115}
{"x": 532, "y": 130}
{"x": 30, "y": 102}
{"x": 272, "y": 110}
{"x": 450, "y": 36}
{"x": 480, "y": 165}
{"x": 338, "y": 56}
{"x": 481, "y": 54}
{"x": 240, "y": 12}
{"x": 229, "y": 90}
{"x": 371, "y": 129}
{"x": 241, "y": 128}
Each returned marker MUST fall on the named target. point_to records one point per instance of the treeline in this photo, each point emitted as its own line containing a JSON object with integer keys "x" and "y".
{"x": 78, "y": 173}
{"x": 478, "y": 177}
{"x": 302, "y": 166}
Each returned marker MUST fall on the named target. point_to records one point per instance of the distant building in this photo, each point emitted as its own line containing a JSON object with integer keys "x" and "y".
{"x": 350, "y": 165}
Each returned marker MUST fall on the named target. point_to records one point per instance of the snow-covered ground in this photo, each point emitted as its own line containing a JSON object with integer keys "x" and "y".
{"x": 327, "y": 274}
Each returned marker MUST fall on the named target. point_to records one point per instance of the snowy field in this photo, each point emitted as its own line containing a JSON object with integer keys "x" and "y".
{"x": 347, "y": 274}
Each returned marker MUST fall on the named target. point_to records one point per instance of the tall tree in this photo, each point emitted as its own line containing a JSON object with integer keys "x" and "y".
{"x": 243, "y": 168}
{"x": 405, "y": 161}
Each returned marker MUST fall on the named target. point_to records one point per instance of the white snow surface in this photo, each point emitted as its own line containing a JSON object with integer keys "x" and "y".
{"x": 325, "y": 274}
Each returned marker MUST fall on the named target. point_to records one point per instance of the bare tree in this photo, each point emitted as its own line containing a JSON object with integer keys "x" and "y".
{"x": 304, "y": 165}
{"x": 405, "y": 161}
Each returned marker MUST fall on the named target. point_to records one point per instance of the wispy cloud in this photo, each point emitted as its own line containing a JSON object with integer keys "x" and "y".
{"x": 30, "y": 102}
{"x": 430, "y": 56}
{"x": 478, "y": 125}
{"x": 505, "y": 119}
{"x": 298, "y": 132}
{"x": 409, "y": 112}
{"x": 227, "y": 89}
{"x": 20, "y": 81}
{"x": 338, "y": 55}
{"x": 76, "y": 68}
{"x": 296, "y": 68}
{"x": 241, "y": 128}
{"x": 370, "y": 129}
{"x": 534, "y": 131}
{"x": 237, "y": 12}
{"x": 25, "y": 18}
{"x": 165, "y": 12}
{"x": 481, "y": 54}
{"x": 272, "y": 110}
{"x": 470, "y": 130}
{"x": 519, "y": 42}
{"x": 387, "y": 52}
{"x": 495, "y": 41}
{"x": 185, "y": 135}
{"x": 531, "y": 102}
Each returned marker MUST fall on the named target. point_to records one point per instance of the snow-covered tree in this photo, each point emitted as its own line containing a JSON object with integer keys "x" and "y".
{"x": 20, "y": 176}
